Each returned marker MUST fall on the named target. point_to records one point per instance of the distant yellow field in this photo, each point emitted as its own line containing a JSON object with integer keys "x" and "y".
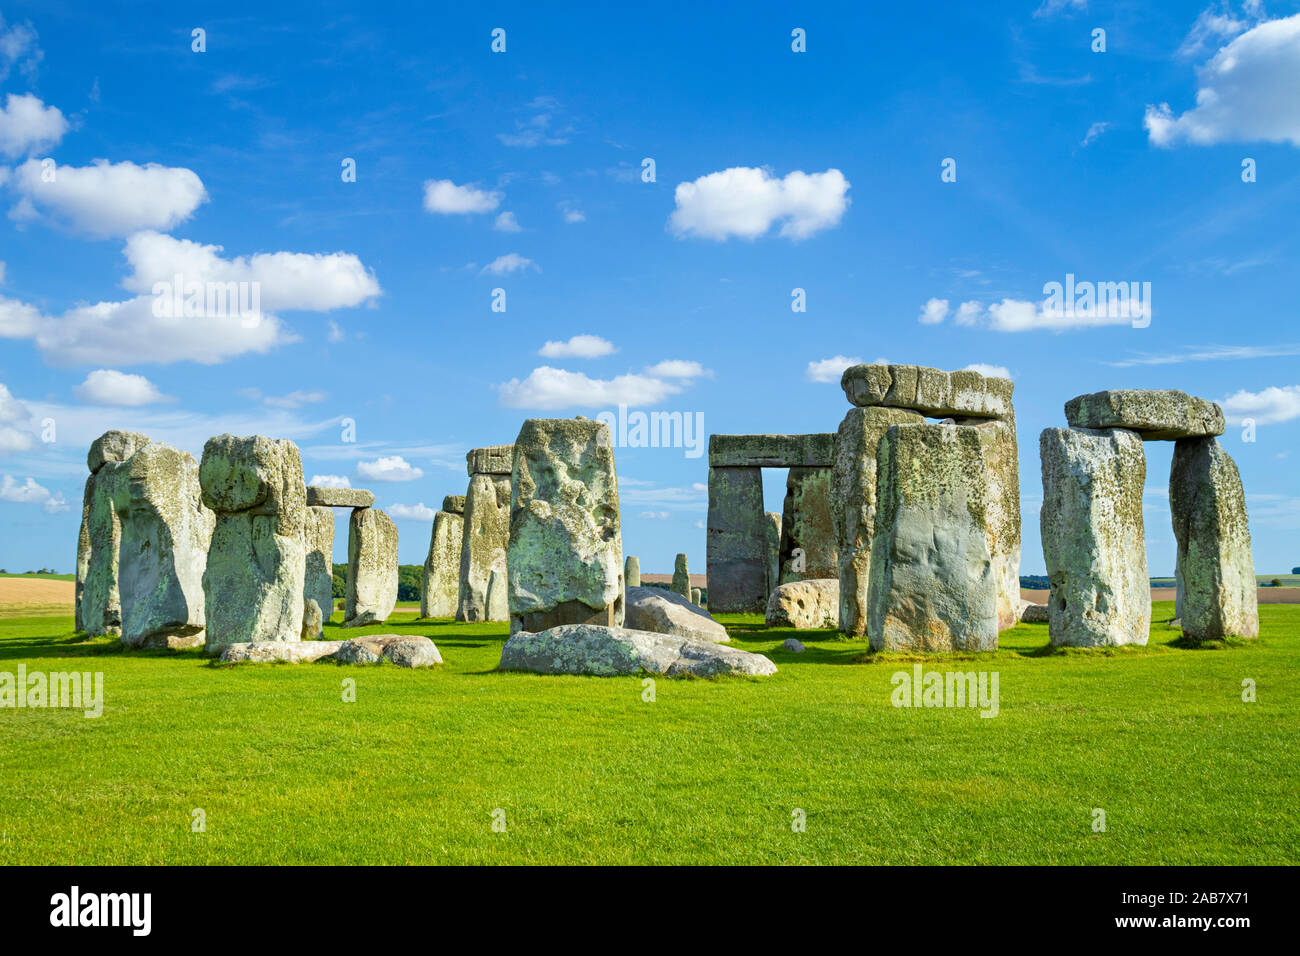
{"x": 36, "y": 591}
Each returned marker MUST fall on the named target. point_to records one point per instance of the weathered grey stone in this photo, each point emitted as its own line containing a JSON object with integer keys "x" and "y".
{"x": 484, "y": 542}
{"x": 1031, "y": 613}
{"x": 253, "y": 584}
{"x": 318, "y": 577}
{"x": 609, "y": 651}
{"x": 313, "y": 620}
{"x": 165, "y": 536}
{"x": 808, "y": 548}
{"x": 114, "y": 446}
{"x": 931, "y": 581}
{"x": 1093, "y": 543}
{"x": 83, "y": 551}
{"x": 805, "y": 605}
{"x": 736, "y": 541}
{"x": 440, "y": 584}
{"x": 565, "y": 562}
{"x": 697, "y": 596}
{"x": 632, "y": 571}
{"x": 454, "y": 504}
{"x": 666, "y": 612}
{"x": 289, "y": 652}
{"x": 372, "y": 568}
{"x": 928, "y": 390}
{"x": 793, "y": 645}
{"x": 101, "y": 603}
{"x": 1002, "y": 472}
{"x": 322, "y": 497}
{"x": 492, "y": 460}
{"x": 771, "y": 451}
{"x": 772, "y": 540}
{"x": 853, "y": 505}
{"x": 404, "y": 650}
{"x": 498, "y": 595}
{"x": 1215, "y": 567}
{"x": 1155, "y": 414}
{"x": 681, "y": 577}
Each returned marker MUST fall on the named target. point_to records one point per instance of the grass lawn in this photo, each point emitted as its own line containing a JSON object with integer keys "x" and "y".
{"x": 710, "y": 771}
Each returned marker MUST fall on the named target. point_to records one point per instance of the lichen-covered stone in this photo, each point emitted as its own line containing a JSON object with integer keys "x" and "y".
{"x": 322, "y": 497}
{"x": 610, "y": 651}
{"x": 1155, "y": 414}
{"x": 736, "y": 541}
{"x": 101, "y": 603}
{"x": 1093, "y": 538}
{"x": 1031, "y": 613}
{"x": 454, "y": 504}
{"x": 372, "y": 568}
{"x": 565, "y": 563}
{"x": 805, "y": 605}
{"x": 404, "y": 650}
{"x": 771, "y": 451}
{"x": 318, "y": 576}
{"x": 666, "y": 612}
{"x": 1002, "y": 472}
{"x": 83, "y": 552}
{"x": 931, "y": 581}
{"x": 484, "y": 542}
{"x": 1216, "y": 571}
{"x": 697, "y": 596}
{"x": 772, "y": 542}
{"x": 289, "y": 652}
{"x": 114, "y": 445}
{"x": 313, "y": 619}
{"x": 165, "y": 536}
{"x": 853, "y": 505}
{"x": 632, "y": 571}
{"x": 808, "y": 548}
{"x": 681, "y": 577}
{"x": 928, "y": 390}
{"x": 492, "y": 460}
{"x": 253, "y": 584}
{"x": 440, "y": 584}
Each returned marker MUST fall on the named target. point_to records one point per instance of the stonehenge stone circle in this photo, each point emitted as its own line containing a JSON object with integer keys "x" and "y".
{"x": 807, "y": 548}
{"x": 486, "y": 535}
{"x": 931, "y": 584}
{"x": 1216, "y": 572}
{"x": 253, "y": 583}
{"x": 372, "y": 568}
{"x": 608, "y": 651}
{"x": 804, "y": 605}
{"x": 318, "y": 577}
{"x": 98, "y": 608}
{"x": 440, "y": 583}
{"x": 1155, "y": 414}
{"x": 321, "y": 497}
{"x": 681, "y": 577}
{"x": 632, "y": 571}
{"x": 565, "y": 558}
{"x": 1092, "y": 531}
{"x": 666, "y": 612}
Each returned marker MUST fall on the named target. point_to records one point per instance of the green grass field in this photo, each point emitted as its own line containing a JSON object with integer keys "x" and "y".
{"x": 586, "y": 771}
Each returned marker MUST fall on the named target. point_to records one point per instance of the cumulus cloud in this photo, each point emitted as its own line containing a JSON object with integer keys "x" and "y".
{"x": 18, "y": 47}
{"x": 108, "y": 199}
{"x": 106, "y": 386}
{"x": 28, "y": 125}
{"x": 330, "y": 481}
{"x": 1249, "y": 91}
{"x": 579, "y": 346}
{"x": 1268, "y": 407}
{"x": 18, "y": 320}
{"x": 554, "y": 388}
{"x": 295, "y": 399}
{"x": 992, "y": 371}
{"x": 655, "y": 515}
{"x": 677, "y": 368}
{"x": 15, "y": 419}
{"x": 415, "y": 512}
{"x": 445, "y": 197}
{"x": 30, "y": 493}
{"x": 1052, "y": 8}
{"x": 506, "y": 222}
{"x": 510, "y": 262}
{"x": 746, "y": 202}
{"x": 391, "y": 468}
{"x": 1213, "y": 26}
{"x": 933, "y": 312}
{"x": 830, "y": 369}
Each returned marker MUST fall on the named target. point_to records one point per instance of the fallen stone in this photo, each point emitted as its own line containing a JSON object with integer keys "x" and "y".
{"x": 372, "y": 568}
{"x": 290, "y": 652}
{"x": 318, "y": 575}
{"x": 1155, "y": 414}
{"x": 492, "y": 460}
{"x": 771, "y": 451}
{"x": 404, "y": 650}
{"x": 632, "y": 571}
{"x": 793, "y": 645}
{"x": 805, "y": 605}
{"x": 322, "y": 497}
{"x": 1031, "y": 613}
{"x": 609, "y": 651}
{"x": 1093, "y": 540}
{"x": 681, "y": 577}
{"x": 928, "y": 390}
{"x": 440, "y": 583}
{"x": 666, "y": 612}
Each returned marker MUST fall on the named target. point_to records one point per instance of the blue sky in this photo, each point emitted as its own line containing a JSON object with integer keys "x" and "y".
{"x": 522, "y": 170}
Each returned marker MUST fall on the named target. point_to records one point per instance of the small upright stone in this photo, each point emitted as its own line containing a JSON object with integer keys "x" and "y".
{"x": 681, "y": 577}
{"x": 440, "y": 584}
{"x": 1155, "y": 414}
{"x": 697, "y": 596}
{"x": 372, "y": 568}
{"x": 632, "y": 571}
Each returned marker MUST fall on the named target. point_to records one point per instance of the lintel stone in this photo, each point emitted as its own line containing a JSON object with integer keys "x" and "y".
{"x": 772, "y": 451}
{"x": 322, "y": 497}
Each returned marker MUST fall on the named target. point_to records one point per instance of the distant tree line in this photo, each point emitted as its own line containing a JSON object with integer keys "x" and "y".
{"x": 409, "y": 577}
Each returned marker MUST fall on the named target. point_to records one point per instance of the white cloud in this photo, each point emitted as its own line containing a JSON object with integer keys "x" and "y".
{"x": 1249, "y": 91}
{"x": 830, "y": 369}
{"x": 554, "y": 388}
{"x": 391, "y": 468}
{"x": 933, "y": 312}
{"x": 1094, "y": 133}
{"x": 510, "y": 262}
{"x": 28, "y": 125}
{"x": 15, "y": 419}
{"x": 1213, "y": 26}
{"x": 1268, "y": 407}
{"x": 335, "y": 333}
{"x": 1050, "y": 8}
{"x": 18, "y": 47}
{"x": 106, "y": 386}
{"x": 574, "y": 215}
{"x": 677, "y": 368}
{"x": 1018, "y": 315}
{"x": 579, "y": 346}
{"x": 108, "y": 199}
{"x": 1211, "y": 353}
{"x": 30, "y": 493}
{"x": 746, "y": 201}
{"x": 330, "y": 481}
{"x": 655, "y": 515}
{"x": 18, "y": 320}
{"x": 993, "y": 371}
{"x": 537, "y": 129}
{"x": 416, "y": 512}
{"x": 506, "y": 222}
{"x": 294, "y": 399}
{"x": 445, "y": 197}
{"x": 968, "y": 313}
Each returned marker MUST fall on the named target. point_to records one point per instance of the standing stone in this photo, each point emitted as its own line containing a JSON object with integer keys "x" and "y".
{"x": 1093, "y": 541}
{"x": 318, "y": 579}
{"x": 1002, "y": 472}
{"x": 100, "y": 604}
{"x": 166, "y": 532}
{"x": 83, "y": 551}
{"x": 696, "y": 596}
{"x": 253, "y": 584}
{"x": 440, "y": 584}
{"x": 736, "y": 541}
{"x": 313, "y": 620}
{"x": 808, "y": 550}
{"x": 853, "y": 505}
{"x": 1216, "y": 571}
{"x": 931, "y": 580}
{"x": 772, "y": 538}
{"x": 484, "y": 542}
{"x": 565, "y": 562}
{"x": 372, "y": 568}
{"x": 632, "y": 571}
{"x": 681, "y": 577}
